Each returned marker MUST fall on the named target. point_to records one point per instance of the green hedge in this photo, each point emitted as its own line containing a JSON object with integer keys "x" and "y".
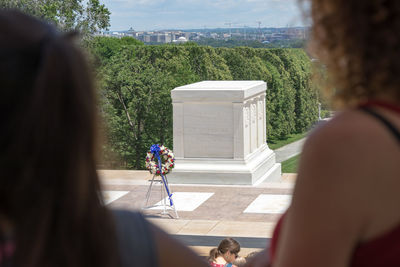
{"x": 135, "y": 83}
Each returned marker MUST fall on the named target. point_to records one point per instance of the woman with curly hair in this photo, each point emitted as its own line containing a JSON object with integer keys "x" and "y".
{"x": 345, "y": 207}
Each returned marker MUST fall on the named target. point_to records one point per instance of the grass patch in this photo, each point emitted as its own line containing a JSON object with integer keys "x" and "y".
{"x": 290, "y": 165}
{"x": 274, "y": 143}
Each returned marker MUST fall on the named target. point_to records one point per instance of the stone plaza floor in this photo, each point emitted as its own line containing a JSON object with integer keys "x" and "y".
{"x": 207, "y": 213}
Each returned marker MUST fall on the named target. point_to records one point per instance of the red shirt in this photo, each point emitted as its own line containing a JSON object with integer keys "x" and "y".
{"x": 213, "y": 264}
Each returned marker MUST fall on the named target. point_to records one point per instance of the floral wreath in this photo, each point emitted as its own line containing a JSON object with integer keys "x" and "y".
{"x": 167, "y": 161}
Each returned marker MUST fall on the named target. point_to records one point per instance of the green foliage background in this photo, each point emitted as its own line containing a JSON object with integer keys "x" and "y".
{"x": 87, "y": 17}
{"x": 136, "y": 81}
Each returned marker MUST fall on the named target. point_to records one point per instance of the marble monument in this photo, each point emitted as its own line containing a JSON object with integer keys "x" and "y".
{"x": 219, "y": 134}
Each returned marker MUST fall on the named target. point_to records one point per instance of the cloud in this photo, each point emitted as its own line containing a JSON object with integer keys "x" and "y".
{"x": 132, "y": 3}
{"x": 145, "y": 14}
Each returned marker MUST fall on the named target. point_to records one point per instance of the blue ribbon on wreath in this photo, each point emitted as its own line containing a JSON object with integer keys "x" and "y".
{"x": 155, "y": 149}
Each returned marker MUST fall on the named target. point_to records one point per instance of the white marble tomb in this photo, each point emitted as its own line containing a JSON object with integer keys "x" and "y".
{"x": 219, "y": 134}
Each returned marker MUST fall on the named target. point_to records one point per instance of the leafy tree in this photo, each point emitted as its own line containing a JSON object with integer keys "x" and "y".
{"x": 298, "y": 65}
{"x": 280, "y": 97}
{"x": 103, "y": 48}
{"x": 136, "y": 98}
{"x": 87, "y": 16}
{"x": 125, "y": 100}
{"x": 207, "y": 64}
{"x": 244, "y": 64}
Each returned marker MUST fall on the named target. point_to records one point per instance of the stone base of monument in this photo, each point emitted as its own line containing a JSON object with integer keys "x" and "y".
{"x": 259, "y": 166}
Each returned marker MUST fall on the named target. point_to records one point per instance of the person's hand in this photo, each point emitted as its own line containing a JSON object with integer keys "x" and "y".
{"x": 259, "y": 260}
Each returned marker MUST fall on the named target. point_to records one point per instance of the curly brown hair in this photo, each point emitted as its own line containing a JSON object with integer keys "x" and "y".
{"x": 359, "y": 42}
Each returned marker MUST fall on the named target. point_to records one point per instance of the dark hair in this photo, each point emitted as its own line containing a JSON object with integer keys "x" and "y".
{"x": 227, "y": 244}
{"x": 251, "y": 255}
{"x": 359, "y": 42}
{"x": 240, "y": 262}
{"x": 49, "y": 188}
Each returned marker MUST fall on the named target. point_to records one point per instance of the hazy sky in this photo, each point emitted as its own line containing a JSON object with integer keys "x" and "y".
{"x": 189, "y": 14}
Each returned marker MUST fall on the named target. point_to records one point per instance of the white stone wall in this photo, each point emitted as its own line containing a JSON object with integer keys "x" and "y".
{"x": 220, "y": 121}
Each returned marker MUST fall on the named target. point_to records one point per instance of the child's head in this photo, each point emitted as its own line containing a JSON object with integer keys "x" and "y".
{"x": 228, "y": 249}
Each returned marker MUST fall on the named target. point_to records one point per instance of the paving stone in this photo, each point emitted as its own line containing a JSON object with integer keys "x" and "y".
{"x": 198, "y": 227}
{"x": 220, "y": 215}
{"x": 245, "y": 229}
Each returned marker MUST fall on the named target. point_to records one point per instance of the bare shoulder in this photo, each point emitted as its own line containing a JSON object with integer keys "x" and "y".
{"x": 336, "y": 156}
{"x": 352, "y": 139}
{"x": 348, "y": 128}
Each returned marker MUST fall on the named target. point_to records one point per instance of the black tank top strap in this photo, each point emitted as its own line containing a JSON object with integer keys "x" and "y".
{"x": 383, "y": 120}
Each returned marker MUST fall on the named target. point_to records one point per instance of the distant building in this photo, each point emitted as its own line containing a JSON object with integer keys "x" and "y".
{"x": 166, "y": 38}
{"x": 187, "y": 35}
{"x": 181, "y": 39}
{"x": 146, "y": 38}
{"x": 214, "y": 35}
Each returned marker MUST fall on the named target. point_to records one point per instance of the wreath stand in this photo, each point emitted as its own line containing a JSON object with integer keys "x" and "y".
{"x": 163, "y": 181}
{"x": 164, "y": 196}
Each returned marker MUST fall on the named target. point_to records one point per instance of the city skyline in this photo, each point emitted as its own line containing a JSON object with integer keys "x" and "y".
{"x": 146, "y": 15}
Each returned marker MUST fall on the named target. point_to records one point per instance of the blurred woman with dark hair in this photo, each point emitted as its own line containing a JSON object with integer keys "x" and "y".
{"x": 345, "y": 207}
{"x": 51, "y": 213}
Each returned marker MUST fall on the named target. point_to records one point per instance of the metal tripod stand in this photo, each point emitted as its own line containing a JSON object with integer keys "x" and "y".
{"x": 164, "y": 196}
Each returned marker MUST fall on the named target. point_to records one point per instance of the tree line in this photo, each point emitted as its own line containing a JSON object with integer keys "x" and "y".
{"x": 135, "y": 82}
